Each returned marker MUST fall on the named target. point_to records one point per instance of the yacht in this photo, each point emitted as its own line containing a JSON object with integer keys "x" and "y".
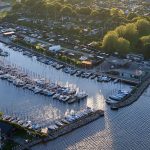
{"x": 37, "y": 90}
{"x": 81, "y": 95}
{"x": 56, "y": 96}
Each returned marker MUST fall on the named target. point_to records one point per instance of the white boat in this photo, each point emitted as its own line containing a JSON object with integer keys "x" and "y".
{"x": 53, "y": 127}
{"x": 1, "y": 72}
{"x": 81, "y": 95}
{"x": 5, "y": 76}
{"x": 4, "y": 54}
{"x": 56, "y": 96}
{"x": 61, "y": 97}
{"x": 11, "y": 79}
{"x": 65, "y": 98}
{"x": 37, "y": 90}
{"x": 18, "y": 83}
{"x": 116, "y": 80}
{"x": 20, "y": 122}
{"x": 64, "y": 121}
{"x": 58, "y": 123}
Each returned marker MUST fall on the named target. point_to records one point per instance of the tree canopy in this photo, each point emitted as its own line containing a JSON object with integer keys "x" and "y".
{"x": 128, "y": 37}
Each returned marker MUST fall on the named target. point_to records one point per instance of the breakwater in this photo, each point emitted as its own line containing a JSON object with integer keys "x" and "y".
{"x": 136, "y": 93}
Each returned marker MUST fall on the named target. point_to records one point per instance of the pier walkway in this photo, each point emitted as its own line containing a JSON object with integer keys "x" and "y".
{"x": 135, "y": 95}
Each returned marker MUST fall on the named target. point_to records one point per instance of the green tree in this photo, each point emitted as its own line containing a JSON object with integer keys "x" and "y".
{"x": 116, "y": 12}
{"x": 131, "y": 33}
{"x": 145, "y": 39}
{"x": 53, "y": 9}
{"x": 131, "y": 15}
{"x": 110, "y": 41}
{"x": 104, "y": 13}
{"x": 95, "y": 14}
{"x": 66, "y": 11}
{"x": 123, "y": 45}
{"x": 121, "y": 30}
{"x": 145, "y": 46}
{"x": 143, "y": 27}
{"x": 84, "y": 11}
{"x": 16, "y": 7}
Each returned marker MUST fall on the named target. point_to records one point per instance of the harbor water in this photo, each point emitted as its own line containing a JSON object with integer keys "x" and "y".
{"x": 122, "y": 129}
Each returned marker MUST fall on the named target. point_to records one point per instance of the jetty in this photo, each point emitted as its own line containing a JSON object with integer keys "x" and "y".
{"x": 61, "y": 126}
{"x": 136, "y": 93}
{"x": 67, "y": 127}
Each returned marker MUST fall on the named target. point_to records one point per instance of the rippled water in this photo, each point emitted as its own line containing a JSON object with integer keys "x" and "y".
{"x": 123, "y": 129}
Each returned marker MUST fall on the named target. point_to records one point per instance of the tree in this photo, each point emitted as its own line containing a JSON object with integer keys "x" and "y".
{"x": 116, "y": 12}
{"x": 121, "y": 30}
{"x": 84, "y": 11}
{"x": 143, "y": 27}
{"x": 131, "y": 33}
{"x": 95, "y": 14}
{"x": 53, "y": 9}
{"x": 131, "y": 15}
{"x": 110, "y": 41}
{"x": 104, "y": 13}
{"x": 123, "y": 45}
{"x": 16, "y": 7}
{"x": 145, "y": 39}
{"x": 145, "y": 46}
{"x": 66, "y": 11}
{"x": 41, "y": 7}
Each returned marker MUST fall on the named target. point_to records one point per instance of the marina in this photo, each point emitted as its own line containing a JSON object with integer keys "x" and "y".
{"x": 38, "y": 102}
{"x": 43, "y": 110}
{"x": 40, "y": 86}
{"x": 68, "y": 69}
{"x": 58, "y": 127}
{"x": 115, "y": 132}
{"x": 74, "y": 75}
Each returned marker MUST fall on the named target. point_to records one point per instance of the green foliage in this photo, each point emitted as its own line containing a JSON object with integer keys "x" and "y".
{"x": 123, "y": 45}
{"x": 116, "y": 12}
{"x": 84, "y": 10}
{"x": 3, "y": 14}
{"x": 131, "y": 33}
{"x": 131, "y": 16}
{"x": 144, "y": 44}
{"x": 143, "y": 27}
{"x": 110, "y": 41}
{"x": 66, "y": 11}
{"x": 95, "y": 13}
{"x": 145, "y": 39}
{"x": 121, "y": 30}
{"x": 126, "y": 38}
